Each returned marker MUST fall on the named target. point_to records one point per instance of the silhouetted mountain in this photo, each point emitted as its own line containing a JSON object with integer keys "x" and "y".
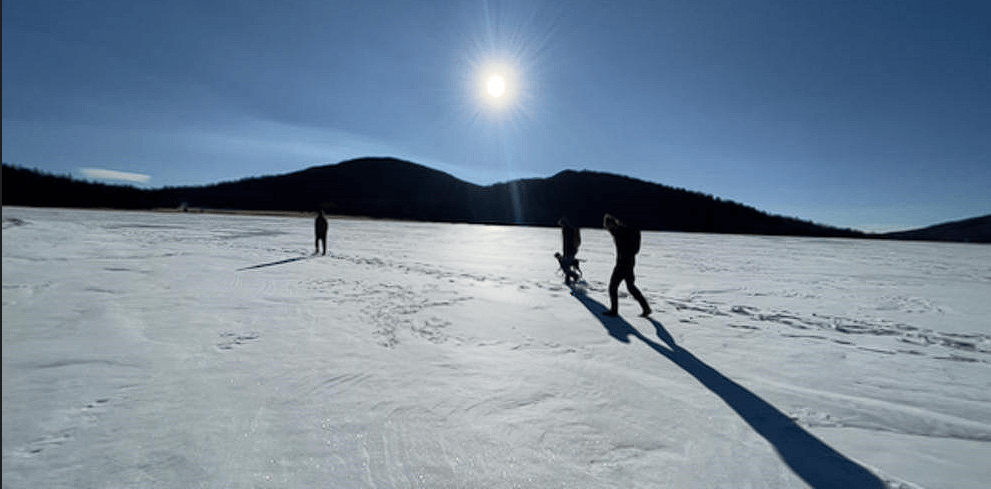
{"x": 974, "y": 230}
{"x": 584, "y": 196}
{"x": 373, "y": 187}
{"x": 391, "y": 188}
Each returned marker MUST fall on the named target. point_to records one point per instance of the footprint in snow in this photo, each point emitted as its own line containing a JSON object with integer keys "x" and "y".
{"x": 232, "y": 340}
{"x": 77, "y": 418}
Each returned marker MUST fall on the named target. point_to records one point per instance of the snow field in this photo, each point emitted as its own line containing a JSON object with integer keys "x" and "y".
{"x": 196, "y": 350}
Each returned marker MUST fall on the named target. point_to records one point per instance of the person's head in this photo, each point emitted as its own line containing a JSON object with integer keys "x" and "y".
{"x": 609, "y": 222}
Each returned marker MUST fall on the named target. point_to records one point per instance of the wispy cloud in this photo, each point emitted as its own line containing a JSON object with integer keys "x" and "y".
{"x": 102, "y": 174}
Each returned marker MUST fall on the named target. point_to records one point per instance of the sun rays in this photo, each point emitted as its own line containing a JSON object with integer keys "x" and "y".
{"x": 505, "y": 57}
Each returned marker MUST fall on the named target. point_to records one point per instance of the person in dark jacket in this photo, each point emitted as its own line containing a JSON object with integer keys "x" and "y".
{"x": 320, "y": 227}
{"x": 627, "y": 246}
{"x": 572, "y": 239}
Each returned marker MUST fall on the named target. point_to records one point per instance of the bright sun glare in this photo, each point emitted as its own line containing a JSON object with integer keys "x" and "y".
{"x": 496, "y": 86}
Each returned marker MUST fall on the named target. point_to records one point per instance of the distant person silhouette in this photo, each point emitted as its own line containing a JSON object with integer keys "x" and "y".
{"x": 320, "y": 226}
{"x": 627, "y": 246}
{"x": 572, "y": 239}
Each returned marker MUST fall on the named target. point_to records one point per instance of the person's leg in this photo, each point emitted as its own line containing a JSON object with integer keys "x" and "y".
{"x": 635, "y": 292}
{"x": 614, "y": 280}
{"x": 564, "y": 266}
{"x": 572, "y": 276}
{"x": 569, "y": 268}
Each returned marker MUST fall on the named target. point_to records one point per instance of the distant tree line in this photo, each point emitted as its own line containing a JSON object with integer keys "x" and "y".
{"x": 28, "y": 187}
{"x": 396, "y": 189}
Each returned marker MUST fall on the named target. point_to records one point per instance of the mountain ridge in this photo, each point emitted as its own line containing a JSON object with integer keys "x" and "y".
{"x": 385, "y": 187}
{"x": 971, "y": 230}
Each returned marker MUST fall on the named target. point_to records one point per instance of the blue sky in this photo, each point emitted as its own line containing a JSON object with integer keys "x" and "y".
{"x": 874, "y": 115}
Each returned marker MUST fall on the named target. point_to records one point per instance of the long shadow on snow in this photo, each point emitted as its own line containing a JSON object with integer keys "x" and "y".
{"x": 280, "y": 262}
{"x": 816, "y": 463}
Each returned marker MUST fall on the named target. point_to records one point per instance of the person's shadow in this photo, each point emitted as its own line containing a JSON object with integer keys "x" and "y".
{"x": 280, "y": 262}
{"x": 818, "y": 464}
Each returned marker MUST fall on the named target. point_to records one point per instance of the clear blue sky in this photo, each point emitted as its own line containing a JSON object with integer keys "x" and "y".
{"x": 874, "y": 115}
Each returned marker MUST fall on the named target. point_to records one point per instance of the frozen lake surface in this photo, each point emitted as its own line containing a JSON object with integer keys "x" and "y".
{"x": 182, "y": 350}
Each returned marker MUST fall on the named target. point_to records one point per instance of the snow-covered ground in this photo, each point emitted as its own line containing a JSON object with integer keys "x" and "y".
{"x": 182, "y": 350}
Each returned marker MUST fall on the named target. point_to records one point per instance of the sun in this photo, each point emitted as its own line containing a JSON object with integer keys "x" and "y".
{"x": 498, "y": 85}
{"x": 495, "y": 86}
{"x": 498, "y": 89}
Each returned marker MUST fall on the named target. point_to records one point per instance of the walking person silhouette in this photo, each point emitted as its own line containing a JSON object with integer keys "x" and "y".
{"x": 320, "y": 227}
{"x": 627, "y": 246}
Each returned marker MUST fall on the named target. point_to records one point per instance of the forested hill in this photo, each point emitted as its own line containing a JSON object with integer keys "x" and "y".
{"x": 974, "y": 230}
{"x": 391, "y": 188}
